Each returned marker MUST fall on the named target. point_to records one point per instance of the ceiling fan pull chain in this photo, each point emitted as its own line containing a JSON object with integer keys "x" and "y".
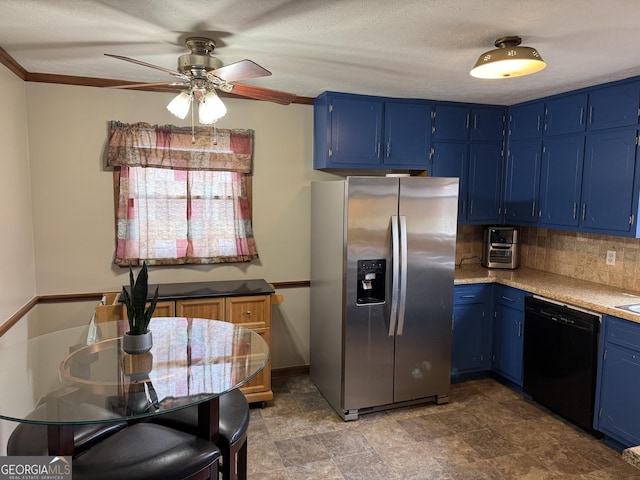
{"x": 193, "y": 128}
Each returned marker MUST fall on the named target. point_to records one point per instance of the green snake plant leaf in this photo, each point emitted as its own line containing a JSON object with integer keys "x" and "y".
{"x": 136, "y": 301}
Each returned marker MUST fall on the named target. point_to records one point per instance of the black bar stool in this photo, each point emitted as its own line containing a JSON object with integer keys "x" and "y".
{"x": 234, "y": 421}
{"x": 148, "y": 451}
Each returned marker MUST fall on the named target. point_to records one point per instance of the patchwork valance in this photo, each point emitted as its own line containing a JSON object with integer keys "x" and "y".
{"x": 180, "y": 148}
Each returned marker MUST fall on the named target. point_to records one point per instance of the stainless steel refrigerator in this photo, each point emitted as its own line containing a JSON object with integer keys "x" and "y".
{"x": 382, "y": 266}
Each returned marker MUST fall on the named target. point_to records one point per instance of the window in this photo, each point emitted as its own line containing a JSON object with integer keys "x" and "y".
{"x": 183, "y": 196}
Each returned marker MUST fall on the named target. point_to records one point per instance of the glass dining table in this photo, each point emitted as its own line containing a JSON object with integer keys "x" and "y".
{"x": 52, "y": 379}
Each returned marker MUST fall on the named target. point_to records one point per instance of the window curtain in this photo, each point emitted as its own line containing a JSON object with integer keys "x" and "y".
{"x": 181, "y": 202}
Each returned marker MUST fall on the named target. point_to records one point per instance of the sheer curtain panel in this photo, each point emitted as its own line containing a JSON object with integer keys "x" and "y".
{"x": 181, "y": 202}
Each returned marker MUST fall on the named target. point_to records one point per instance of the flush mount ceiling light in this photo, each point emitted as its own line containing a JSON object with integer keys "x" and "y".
{"x": 508, "y": 60}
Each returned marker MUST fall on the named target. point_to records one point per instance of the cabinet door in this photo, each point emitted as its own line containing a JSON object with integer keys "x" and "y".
{"x": 451, "y": 122}
{"x": 525, "y": 121}
{"x": 356, "y": 132}
{"x": 407, "y": 135}
{"x": 252, "y": 312}
{"x": 522, "y": 181}
{"x": 508, "y": 333}
{"x": 608, "y": 180}
{"x": 487, "y": 124}
{"x": 508, "y": 345}
{"x": 211, "y": 308}
{"x": 566, "y": 114}
{"x": 255, "y": 389}
{"x": 164, "y": 309}
{"x": 615, "y": 106}
{"x": 484, "y": 184}
{"x": 561, "y": 180}
{"x": 451, "y": 160}
{"x": 467, "y": 338}
{"x": 619, "y": 415}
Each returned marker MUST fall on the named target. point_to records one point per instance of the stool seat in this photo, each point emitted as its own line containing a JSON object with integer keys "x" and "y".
{"x": 233, "y": 424}
{"x": 147, "y": 451}
{"x": 30, "y": 439}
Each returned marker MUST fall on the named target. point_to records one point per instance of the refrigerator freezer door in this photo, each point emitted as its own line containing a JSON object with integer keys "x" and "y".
{"x": 423, "y": 347}
{"x": 368, "y": 348}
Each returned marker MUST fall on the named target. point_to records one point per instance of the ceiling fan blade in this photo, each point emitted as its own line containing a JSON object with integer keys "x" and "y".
{"x": 241, "y": 70}
{"x": 153, "y": 84}
{"x": 259, "y": 93}
{"x": 150, "y": 65}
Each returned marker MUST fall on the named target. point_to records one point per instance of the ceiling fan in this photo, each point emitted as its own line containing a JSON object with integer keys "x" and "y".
{"x": 200, "y": 74}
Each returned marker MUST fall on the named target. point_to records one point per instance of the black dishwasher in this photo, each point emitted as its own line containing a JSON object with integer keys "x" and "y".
{"x": 560, "y": 359}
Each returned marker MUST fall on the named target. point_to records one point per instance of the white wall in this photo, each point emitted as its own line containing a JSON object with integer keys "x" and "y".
{"x": 73, "y": 201}
{"x": 17, "y": 264}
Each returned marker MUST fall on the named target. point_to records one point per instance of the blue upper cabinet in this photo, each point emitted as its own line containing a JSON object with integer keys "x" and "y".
{"x": 561, "y": 181}
{"x": 348, "y": 132}
{"x": 451, "y": 122}
{"x": 407, "y": 135}
{"x": 526, "y": 121}
{"x": 487, "y": 124}
{"x": 451, "y": 159}
{"x": 356, "y": 131}
{"x": 484, "y": 184}
{"x": 614, "y": 106}
{"x": 468, "y": 144}
{"x": 522, "y": 181}
{"x": 462, "y": 123}
{"x": 609, "y": 192}
{"x": 566, "y": 114}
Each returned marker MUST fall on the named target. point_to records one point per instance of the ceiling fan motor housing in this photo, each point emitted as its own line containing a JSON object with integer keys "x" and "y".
{"x": 192, "y": 61}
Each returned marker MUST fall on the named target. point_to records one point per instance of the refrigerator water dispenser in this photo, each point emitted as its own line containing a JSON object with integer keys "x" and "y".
{"x": 371, "y": 281}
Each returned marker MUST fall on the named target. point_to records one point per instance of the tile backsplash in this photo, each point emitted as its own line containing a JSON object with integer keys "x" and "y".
{"x": 574, "y": 254}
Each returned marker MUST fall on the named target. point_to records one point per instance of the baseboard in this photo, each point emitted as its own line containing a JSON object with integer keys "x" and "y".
{"x": 290, "y": 371}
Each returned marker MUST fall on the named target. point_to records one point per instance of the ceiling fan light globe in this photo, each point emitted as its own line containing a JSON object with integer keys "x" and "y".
{"x": 180, "y": 105}
{"x": 211, "y": 109}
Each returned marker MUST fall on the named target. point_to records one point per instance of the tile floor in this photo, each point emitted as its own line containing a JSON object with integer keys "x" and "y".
{"x": 487, "y": 431}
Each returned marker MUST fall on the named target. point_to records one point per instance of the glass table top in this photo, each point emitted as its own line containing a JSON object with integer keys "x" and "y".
{"x": 82, "y": 375}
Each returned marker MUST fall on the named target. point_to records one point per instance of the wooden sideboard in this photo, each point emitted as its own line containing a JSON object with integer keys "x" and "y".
{"x": 243, "y": 302}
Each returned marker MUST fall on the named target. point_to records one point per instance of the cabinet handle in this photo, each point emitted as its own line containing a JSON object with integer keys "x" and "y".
{"x": 378, "y": 150}
{"x": 519, "y": 329}
{"x": 533, "y": 209}
{"x": 539, "y": 119}
{"x": 581, "y": 115}
{"x": 508, "y": 299}
{"x": 388, "y": 149}
{"x": 591, "y": 114}
{"x": 584, "y": 211}
{"x": 575, "y": 209}
{"x": 248, "y": 312}
{"x": 466, "y": 125}
{"x": 475, "y": 121}
{"x": 471, "y": 207}
{"x": 467, "y": 296}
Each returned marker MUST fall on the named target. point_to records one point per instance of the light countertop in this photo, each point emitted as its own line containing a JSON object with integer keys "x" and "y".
{"x": 588, "y": 295}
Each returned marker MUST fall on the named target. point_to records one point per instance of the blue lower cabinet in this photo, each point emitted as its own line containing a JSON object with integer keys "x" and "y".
{"x": 508, "y": 333}
{"x": 617, "y": 412}
{"x": 471, "y": 336}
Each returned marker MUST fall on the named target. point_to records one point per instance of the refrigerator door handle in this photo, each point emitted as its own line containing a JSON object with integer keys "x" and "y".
{"x": 395, "y": 261}
{"x": 403, "y": 273}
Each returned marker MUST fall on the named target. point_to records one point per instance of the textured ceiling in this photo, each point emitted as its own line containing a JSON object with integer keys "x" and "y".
{"x": 407, "y": 48}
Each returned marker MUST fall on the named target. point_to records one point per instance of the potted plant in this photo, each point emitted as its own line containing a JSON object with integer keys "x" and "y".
{"x": 138, "y": 339}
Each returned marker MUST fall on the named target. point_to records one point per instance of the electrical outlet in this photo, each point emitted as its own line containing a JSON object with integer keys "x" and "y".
{"x": 611, "y": 257}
